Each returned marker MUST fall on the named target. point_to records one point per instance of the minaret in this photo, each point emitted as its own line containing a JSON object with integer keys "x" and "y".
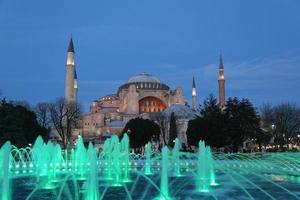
{"x": 75, "y": 86}
{"x": 71, "y": 76}
{"x": 221, "y": 83}
{"x": 194, "y": 95}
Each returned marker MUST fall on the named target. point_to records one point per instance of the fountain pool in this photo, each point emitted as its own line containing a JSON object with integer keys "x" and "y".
{"x": 47, "y": 172}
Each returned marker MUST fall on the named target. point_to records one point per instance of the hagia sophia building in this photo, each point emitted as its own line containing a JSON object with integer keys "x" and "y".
{"x": 143, "y": 95}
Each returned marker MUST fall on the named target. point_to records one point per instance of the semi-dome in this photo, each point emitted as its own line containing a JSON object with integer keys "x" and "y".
{"x": 180, "y": 112}
{"x": 143, "y": 78}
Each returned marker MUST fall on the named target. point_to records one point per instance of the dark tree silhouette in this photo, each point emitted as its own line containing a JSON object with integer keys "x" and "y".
{"x": 19, "y": 125}
{"x": 282, "y": 121}
{"x": 209, "y": 126}
{"x": 141, "y": 131}
{"x": 230, "y": 127}
{"x": 65, "y": 116}
{"x": 172, "y": 130}
{"x": 243, "y": 121}
{"x": 43, "y": 115}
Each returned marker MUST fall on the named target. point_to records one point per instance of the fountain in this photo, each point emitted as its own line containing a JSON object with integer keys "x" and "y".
{"x": 164, "y": 186}
{"x": 202, "y": 175}
{"x": 176, "y": 157}
{"x": 116, "y": 167}
{"x": 91, "y": 184}
{"x": 148, "y": 159}
{"x": 80, "y": 159}
{"x": 5, "y": 192}
{"x": 105, "y": 156}
{"x": 125, "y": 157}
{"x": 45, "y": 171}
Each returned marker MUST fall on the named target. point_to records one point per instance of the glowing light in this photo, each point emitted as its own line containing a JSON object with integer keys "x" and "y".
{"x": 194, "y": 93}
{"x": 204, "y": 190}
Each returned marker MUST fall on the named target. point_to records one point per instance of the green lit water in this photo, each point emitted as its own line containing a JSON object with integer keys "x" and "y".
{"x": 47, "y": 172}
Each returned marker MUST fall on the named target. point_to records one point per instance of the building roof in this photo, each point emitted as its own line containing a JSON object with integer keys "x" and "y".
{"x": 108, "y": 109}
{"x": 117, "y": 124}
{"x": 194, "y": 84}
{"x": 71, "y": 46}
{"x": 109, "y": 96}
{"x": 144, "y": 78}
{"x": 221, "y": 62}
{"x": 180, "y": 112}
{"x": 145, "y": 81}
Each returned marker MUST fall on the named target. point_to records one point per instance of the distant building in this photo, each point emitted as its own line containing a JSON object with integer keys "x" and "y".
{"x": 143, "y": 95}
{"x": 182, "y": 115}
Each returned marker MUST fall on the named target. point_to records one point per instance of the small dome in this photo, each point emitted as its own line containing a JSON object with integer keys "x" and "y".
{"x": 180, "y": 111}
{"x": 145, "y": 78}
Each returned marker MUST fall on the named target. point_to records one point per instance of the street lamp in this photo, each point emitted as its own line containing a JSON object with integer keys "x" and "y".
{"x": 273, "y": 126}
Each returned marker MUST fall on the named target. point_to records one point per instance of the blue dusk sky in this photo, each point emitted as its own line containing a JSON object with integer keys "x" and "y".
{"x": 173, "y": 40}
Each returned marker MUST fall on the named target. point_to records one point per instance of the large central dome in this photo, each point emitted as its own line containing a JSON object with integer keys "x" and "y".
{"x": 144, "y": 78}
{"x": 144, "y": 81}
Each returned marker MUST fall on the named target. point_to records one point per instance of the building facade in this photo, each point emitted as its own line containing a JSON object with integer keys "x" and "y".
{"x": 143, "y": 95}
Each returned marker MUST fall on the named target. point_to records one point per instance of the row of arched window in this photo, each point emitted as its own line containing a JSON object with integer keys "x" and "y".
{"x": 149, "y": 109}
{"x": 149, "y": 85}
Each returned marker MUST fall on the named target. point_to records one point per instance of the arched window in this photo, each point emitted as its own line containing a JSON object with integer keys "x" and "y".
{"x": 151, "y": 104}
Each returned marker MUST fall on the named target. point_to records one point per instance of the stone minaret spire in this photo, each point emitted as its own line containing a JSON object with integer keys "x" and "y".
{"x": 194, "y": 95}
{"x": 71, "y": 76}
{"x": 75, "y": 86}
{"x": 221, "y": 83}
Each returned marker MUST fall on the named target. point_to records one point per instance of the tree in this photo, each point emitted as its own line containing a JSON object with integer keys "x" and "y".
{"x": 43, "y": 116}
{"x": 263, "y": 138}
{"x": 19, "y": 125}
{"x": 283, "y": 121}
{"x": 172, "y": 130}
{"x": 225, "y": 128}
{"x": 22, "y": 103}
{"x": 141, "y": 131}
{"x": 267, "y": 116}
{"x": 194, "y": 131}
{"x": 65, "y": 117}
{"x": 210, "y": 125}
{"x": 243, "y": 121}
{"x": 287, "y": 119}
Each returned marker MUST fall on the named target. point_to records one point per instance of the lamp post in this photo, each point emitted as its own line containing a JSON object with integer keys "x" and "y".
{"x": 273, "y": 127}
{"x": 273, "y": 131}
